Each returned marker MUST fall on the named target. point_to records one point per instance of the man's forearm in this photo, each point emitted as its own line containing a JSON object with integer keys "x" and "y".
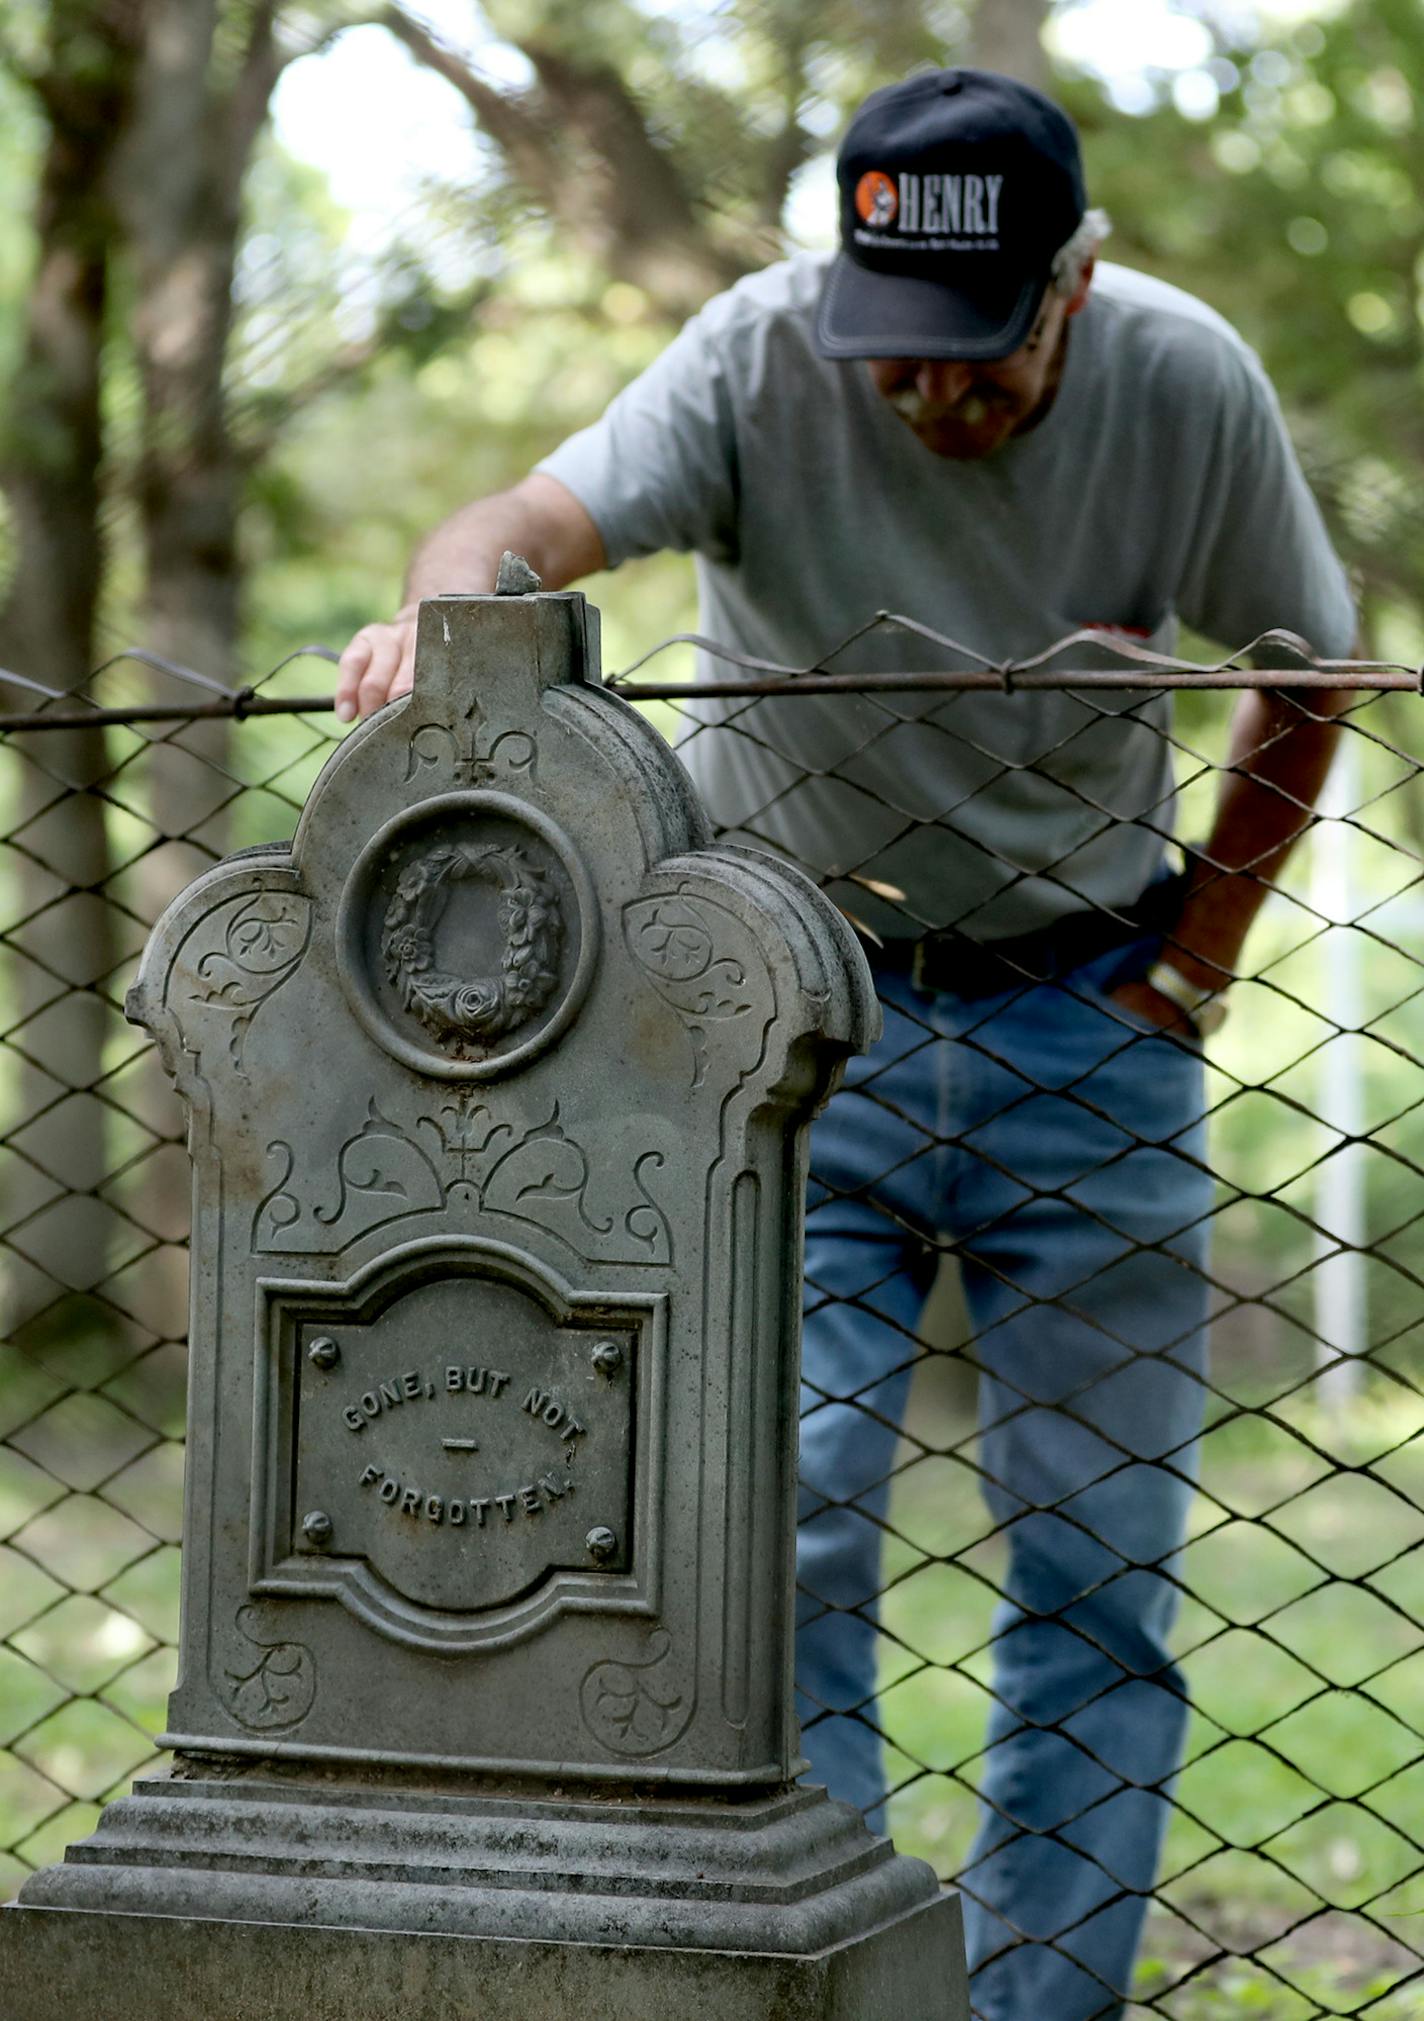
{"x": 1281, "y": 747}
{"x": 538, "y": 519}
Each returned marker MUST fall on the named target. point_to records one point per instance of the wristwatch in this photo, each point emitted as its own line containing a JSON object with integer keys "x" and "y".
{"x": 1205, "y": 1008}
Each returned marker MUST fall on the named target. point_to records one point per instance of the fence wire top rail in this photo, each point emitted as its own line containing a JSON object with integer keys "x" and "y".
{"x": 1136, "y": 667}
{"x": 228, "y": 702}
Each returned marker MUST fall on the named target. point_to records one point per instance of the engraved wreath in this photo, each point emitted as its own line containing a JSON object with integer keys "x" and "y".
{"x": 473, "y": 1008}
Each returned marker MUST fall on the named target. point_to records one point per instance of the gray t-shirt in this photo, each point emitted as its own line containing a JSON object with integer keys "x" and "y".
{"x": 1161, "y": 484}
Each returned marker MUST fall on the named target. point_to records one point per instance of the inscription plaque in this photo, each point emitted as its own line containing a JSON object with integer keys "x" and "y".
{"x": 465, "y": 1467}
{"x": 449, "y": 1440}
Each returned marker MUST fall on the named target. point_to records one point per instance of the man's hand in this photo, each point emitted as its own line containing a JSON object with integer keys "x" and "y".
{"x": 539, "y": 519}
{"x": 1145, "y": 1006}
{"x": 377, "y": 666}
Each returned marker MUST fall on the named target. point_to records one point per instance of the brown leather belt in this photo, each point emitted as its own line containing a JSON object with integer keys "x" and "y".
{"x": 951, "y": 961}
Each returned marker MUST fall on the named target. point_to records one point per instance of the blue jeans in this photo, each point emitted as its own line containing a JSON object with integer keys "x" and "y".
{"x": 1056, "y": 1149}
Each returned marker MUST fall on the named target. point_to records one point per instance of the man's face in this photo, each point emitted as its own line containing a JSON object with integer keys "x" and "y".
{"x": 967, "y": 410}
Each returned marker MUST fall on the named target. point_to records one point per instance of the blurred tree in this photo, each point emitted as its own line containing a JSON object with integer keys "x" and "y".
{"x": 203, "y": 79}
{"x": 1008, "y": 36}
{"x": 622, "y": 142}
{"x": 79, "y": 74}
{"x": 80, "y": 77}
{"x": 149, "y": 112}
{"x": 1296, "y": 209}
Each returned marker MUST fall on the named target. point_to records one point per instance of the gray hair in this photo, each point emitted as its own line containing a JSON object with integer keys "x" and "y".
{"x": 1071, "y": 257}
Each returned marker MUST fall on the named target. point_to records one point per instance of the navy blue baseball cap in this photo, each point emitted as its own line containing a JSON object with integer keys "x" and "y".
{"x": 957, "y": 188}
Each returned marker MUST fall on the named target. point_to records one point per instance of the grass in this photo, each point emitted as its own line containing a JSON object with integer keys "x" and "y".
{"x": 1303, "y": 1788}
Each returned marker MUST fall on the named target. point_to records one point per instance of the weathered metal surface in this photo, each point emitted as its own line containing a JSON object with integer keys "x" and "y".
{"x": 82, "y": 1967}
{"x": 455, "y": 1483}
{"x": 785, "y": 1872}
{"x": 498, "y": 1072}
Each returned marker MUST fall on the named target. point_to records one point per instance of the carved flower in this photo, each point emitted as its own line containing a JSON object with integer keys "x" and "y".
{"x": 416, "y": 878}
{"x": 410, "y": 948}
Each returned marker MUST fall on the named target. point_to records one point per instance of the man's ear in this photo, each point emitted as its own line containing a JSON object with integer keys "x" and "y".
{"x": 1081, "y": 295}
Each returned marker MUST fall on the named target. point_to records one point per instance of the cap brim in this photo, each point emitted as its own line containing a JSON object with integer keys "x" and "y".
{"x": 868, "y": 314}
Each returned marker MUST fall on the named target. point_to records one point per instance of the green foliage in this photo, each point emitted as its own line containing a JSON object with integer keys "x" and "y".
{"x": 1297, "y": 212}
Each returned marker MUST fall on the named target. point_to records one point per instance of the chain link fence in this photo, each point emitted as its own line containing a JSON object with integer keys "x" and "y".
{"x": 1291, "y": 1882}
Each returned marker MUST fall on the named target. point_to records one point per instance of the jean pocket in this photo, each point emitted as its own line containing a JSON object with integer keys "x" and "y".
{"x": 1109, "y": 972}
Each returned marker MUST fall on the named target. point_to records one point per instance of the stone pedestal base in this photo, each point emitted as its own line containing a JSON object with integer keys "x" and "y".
{"x": 264, "y": 1899}
{"x": 73, "y": 1965}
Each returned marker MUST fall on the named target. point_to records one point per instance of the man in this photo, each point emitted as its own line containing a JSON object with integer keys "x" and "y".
{"x": 962, "y": 418}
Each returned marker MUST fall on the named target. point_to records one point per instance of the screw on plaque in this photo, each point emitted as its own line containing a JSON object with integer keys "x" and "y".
{"x": 602, "y": 1544}
{"x": 317, "y": 1527}
{"x": 607, "y": 1357}
{"x": 324, "y": 1353}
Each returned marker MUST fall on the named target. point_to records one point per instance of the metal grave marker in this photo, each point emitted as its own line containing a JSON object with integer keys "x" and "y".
{"x": 497, "y": 1082}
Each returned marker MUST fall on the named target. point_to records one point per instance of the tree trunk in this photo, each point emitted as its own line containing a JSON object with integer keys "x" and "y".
{"x": 49, "y": 471}
{"x": 179, "y": 206}
{"x": 1007, "y": 35}
{"x": 196, "y": 114}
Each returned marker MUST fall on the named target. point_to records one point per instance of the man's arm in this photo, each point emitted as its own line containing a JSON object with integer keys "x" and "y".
{"x": 539, "y": 518}
{"x": 1281, "y": 746}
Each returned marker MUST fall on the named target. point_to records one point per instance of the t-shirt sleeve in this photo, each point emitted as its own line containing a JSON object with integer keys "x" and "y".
{"x": 1262, "y": 559}
{"x": 659, "y": 469}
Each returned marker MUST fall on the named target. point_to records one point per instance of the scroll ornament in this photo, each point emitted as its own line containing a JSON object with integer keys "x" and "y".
{"x": 634, "y": 1708}
{"x": 278, "y": 1690}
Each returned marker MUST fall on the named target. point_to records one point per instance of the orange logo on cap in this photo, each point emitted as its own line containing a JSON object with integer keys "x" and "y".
{"x": 876, "y": 198}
